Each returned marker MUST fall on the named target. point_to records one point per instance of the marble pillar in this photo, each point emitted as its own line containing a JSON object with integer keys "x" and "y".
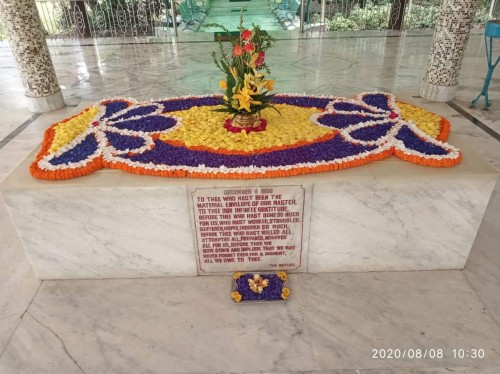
{"x": 452, "y": 31}
{"x": 27, "y": 39}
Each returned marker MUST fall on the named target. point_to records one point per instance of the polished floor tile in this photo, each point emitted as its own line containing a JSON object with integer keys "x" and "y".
{"x": 483, "y": 265}
{"x": 138, "y": 326}
{"x": 351, "y": 315}
{"x": 18, "y": 283}
{"x": 16, "y": 149}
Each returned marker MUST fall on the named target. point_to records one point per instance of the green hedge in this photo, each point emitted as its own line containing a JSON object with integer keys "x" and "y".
{"x": 376, "y": 17}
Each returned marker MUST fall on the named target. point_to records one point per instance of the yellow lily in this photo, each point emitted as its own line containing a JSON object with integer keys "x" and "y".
{"x": 269, "y": 85}
{"x": 253, "y": 59}
{"x": 245, "y": 99}
{"x": 250, "y": 84}
{"x": 234, "y": 72}
{"x": 256, "y": 81}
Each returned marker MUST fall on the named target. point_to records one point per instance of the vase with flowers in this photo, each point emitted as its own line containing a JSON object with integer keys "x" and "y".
{"x": 246, "y": 89}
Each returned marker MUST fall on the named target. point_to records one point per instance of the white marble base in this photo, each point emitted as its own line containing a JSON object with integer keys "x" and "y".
{"x": 388, "y": 215}
{"x": 441, "y": 94}
{"x": 105, "y": 232}
{"x": 415, "y": 223}
{"x": 45, "y": 103}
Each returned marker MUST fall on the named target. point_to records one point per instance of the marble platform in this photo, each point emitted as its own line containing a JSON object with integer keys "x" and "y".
{"x": 385, "y": 216}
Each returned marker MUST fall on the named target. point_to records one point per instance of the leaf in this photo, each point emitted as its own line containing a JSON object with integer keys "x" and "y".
{"x": 276, "y": 109}
{"x": 216, "y": 25}
{"x": 221, "y": 110}
{"x": 224, "y": 65}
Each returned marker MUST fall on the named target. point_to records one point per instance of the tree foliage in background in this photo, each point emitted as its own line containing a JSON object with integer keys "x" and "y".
{"x": 370, "y": 17}
{"x": 421, "y": 17}
{"x": 341, "y": 23}
{"x": 482, "y": 16}
{"x": 376, "y": 17}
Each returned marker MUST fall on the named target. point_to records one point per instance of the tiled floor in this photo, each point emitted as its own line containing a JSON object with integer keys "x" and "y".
{"x": 188, "y": 325}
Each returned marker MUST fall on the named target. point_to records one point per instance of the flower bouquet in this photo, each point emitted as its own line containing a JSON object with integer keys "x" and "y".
{"x": 247, "y": 91}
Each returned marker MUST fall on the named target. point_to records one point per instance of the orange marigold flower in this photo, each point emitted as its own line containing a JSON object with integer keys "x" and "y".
{"x": 282, "y": 275}
{"x": 246, "y": 34}
{"x": 237, "y": 51}
{"x": 237, "y": 275}
{"x": 236, "y": 296}
{"x": 285, "y": 292}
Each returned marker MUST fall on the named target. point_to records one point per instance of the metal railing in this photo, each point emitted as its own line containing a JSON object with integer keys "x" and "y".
{"x": 101, "y": 18}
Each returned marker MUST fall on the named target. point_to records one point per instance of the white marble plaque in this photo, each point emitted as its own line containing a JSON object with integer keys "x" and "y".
{"x": 248, "y": 228}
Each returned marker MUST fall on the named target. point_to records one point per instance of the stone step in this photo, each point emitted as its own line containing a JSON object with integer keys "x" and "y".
{"x": 252, "y": 4}
{"x": 265, "y": 13}
{"x": 263, "y": 7}
{"x": 266, "y": 23}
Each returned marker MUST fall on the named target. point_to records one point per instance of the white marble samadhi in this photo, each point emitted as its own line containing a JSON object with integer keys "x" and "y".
{"x": 384, "y": 216}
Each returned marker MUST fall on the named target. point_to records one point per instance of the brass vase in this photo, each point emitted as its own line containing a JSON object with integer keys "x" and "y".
{"x": 246, "y": 120}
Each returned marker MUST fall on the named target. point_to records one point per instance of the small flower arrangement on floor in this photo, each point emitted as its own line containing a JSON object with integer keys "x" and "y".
{"x": 259, "y": 287}
{"x": 247, "y": 91}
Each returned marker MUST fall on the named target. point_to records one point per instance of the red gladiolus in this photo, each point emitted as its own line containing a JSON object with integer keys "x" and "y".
{"x": 249, "y": 47}
{"x": 246, "y": 34}
{"x": 237, "y": 51}
{"x": 260, "y": 59}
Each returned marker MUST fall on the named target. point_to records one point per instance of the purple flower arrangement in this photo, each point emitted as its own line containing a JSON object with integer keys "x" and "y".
{"x": 259, "y": 287}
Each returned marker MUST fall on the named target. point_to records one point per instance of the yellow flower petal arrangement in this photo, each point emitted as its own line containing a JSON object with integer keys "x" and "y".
{"x": 428, "y": 122}
{"x": 291, "y": 128}
{"x": 66, "y": 131}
